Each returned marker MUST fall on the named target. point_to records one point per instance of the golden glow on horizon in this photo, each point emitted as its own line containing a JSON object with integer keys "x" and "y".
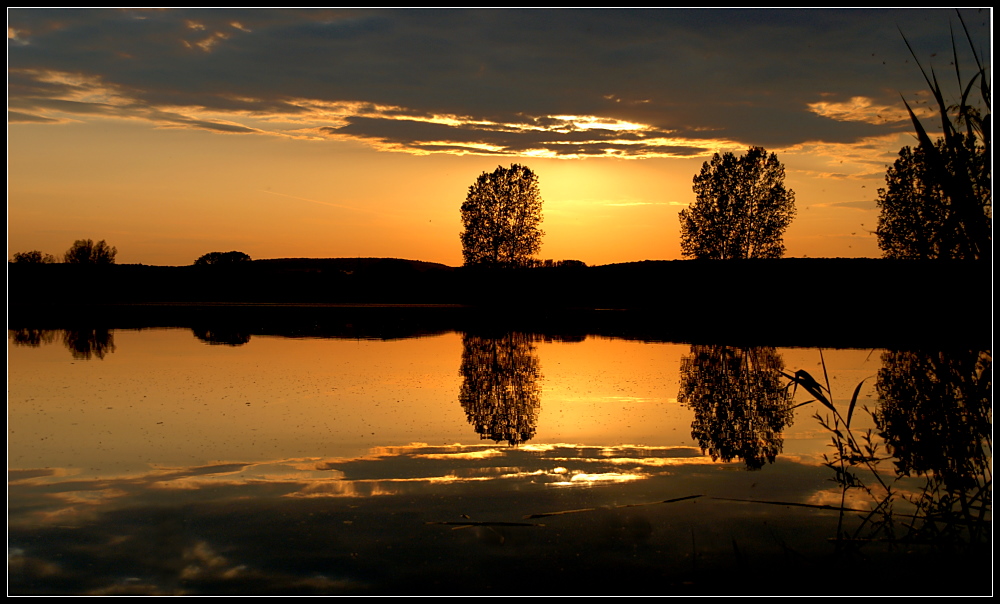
{"x": 82, "y": 131}
{"x": 191, "y": 192}
{"x": 170, "y": 196}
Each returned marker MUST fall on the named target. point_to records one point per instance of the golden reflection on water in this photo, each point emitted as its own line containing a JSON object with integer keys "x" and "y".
{"x": 308, "y": 465}
{"x": 162, "y": 412}
{"x": 164, "y": 398}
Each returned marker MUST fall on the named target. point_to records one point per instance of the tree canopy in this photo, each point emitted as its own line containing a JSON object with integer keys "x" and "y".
{"x": 742, "y": 208}
{"x": 919, "y": 219}
{"x": 501, "y": 216}
{"x": 85, "y": 251}
{"x": 938, "y": 200}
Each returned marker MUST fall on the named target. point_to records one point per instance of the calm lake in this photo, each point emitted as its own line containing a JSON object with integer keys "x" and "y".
{"x": 189, "y": 461}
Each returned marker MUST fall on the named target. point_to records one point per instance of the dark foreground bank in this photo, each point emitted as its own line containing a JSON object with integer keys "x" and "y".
{"x": 798, "y": 302}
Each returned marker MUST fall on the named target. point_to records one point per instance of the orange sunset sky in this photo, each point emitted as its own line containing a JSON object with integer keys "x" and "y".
{"x": 329, "y": 133}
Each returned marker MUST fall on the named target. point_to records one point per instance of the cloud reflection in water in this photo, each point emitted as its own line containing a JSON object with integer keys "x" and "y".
{"x": 366, "y": 524}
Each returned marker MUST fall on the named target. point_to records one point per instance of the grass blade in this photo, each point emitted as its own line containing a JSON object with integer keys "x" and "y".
{"x": 854, "y": 401}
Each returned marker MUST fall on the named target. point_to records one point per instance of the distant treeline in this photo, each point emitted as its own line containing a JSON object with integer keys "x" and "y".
{"x": 800, "y": 298}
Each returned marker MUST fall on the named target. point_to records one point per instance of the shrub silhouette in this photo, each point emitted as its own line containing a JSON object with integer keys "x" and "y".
{"x": 85, "y": 251}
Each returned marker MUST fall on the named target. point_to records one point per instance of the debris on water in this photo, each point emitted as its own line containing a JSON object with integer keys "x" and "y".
{"x": 613, "y": 507}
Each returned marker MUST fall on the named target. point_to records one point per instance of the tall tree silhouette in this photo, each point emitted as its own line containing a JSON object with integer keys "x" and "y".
{"x": 918, "y": 219}
{"x": 500, "y": 216}
{"x": 938, "y": 200}
{"x": 742, "y": 208}
{"x": 740, "y": 405}
{"x": 500, "y": 386}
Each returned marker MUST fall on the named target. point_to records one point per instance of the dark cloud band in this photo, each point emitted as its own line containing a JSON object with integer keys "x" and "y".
{"x": 482, "y": 81}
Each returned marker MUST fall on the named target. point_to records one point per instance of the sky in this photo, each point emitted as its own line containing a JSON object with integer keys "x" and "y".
{"x": 357, "y": 133}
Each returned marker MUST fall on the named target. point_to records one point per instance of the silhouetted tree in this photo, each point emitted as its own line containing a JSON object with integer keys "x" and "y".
{"x": 499, "y": 386}
{"x": 935, "y": 413}
{"x": 33, "y": 257}
{"x": 918, "y": 219}
{"x": 500, "y": 216}
{"x": 740, "y": 405}
{"x": 85, "y": 251}
{"x": 742, "y": 208}
{"x": 222, "y": 258}
{"x": 938, "y": 197}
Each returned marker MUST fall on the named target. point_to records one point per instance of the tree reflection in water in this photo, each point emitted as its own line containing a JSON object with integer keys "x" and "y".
{"x": 87, "y": 343}
{"x": 32, "y": 337}
{"x": 935, "y": 417}
{"x": 500, "y": 393}
{"x": 223, "y": 336}
{"x": 934, "y": 413}
{"x": 739, "y": 402}
{"x": 83, "y": 343}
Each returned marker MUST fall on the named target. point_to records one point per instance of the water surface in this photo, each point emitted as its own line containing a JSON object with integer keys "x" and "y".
{"x": 189, "y": 461}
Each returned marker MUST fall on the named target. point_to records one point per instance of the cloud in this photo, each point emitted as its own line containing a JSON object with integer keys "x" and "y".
{"x": 629, "y": 83}
{"x": 238, "y": 530}
{"x": 861, "y": 109}
{"x": 557, "y": 137}
{"x": 851, "y": 205}
{"x": 14, "y": 117}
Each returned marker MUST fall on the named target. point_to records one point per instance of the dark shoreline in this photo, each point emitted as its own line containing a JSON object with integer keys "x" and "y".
{"x": 846, "y": 303}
